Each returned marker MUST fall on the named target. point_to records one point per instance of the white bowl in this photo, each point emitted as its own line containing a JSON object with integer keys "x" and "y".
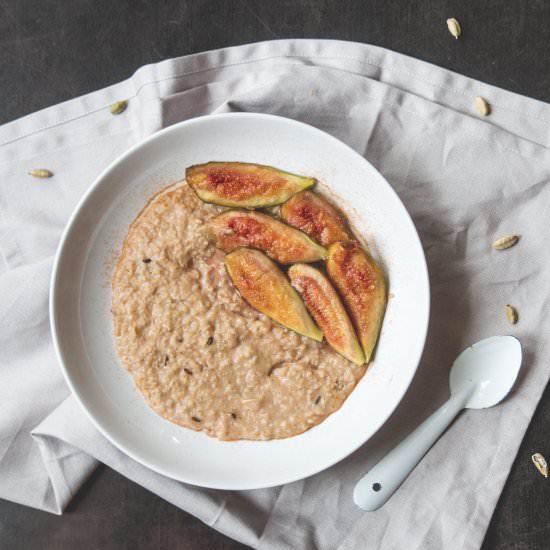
{"x": 81, "y": 298}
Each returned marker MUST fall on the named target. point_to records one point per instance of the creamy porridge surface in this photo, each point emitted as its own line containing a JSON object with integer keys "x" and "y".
{"x": 199, "y": 354}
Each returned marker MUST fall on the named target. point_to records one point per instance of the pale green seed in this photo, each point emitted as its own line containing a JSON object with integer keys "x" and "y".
{"x": 540, "y": 462}
{"x": 40, "y": 173}
{"x": 483, "y": 108}
{"x": 118, "y": 107}
{"x": 505, "y": 242}
{"x": 454, "y": 27}
{"x": 511, "y": 314}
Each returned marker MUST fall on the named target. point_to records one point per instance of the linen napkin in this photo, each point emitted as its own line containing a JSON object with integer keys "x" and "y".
{"x": 465, "y": 179}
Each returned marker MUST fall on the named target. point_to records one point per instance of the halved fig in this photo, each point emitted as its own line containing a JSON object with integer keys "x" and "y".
{"x": 324, "y": 305}
{"x": 279, "y": 241}
{"x": 361, "y": 285}
{"x": 314, "y": 216}
{"x": 266, "y": 288}
{"x": 244, "y": 184}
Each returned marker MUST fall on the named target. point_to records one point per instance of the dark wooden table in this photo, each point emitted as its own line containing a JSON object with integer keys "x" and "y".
{"x": 51, "y": 51}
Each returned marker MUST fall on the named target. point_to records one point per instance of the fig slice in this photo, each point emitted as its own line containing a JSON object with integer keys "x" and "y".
{"x": 326, "y": 308}
{"x": 314, "y": 216}
{"x": 361, "y": 284}
{"x": 242, "y": 184}
{"x": 266, "y": 288}
{"x": 279, "y": 241}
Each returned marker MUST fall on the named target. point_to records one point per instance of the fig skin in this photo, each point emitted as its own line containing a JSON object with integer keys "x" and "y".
{"x": 314, "y": 216}
{"x": 282, "y": 243}
{"x": 266, "y": 288}
{"x": 326, "y": 308}
{"x": 361, "y": 284}
{"x": 243, "y": 184}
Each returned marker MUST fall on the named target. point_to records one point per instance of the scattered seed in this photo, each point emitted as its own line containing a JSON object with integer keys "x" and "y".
{"x": 188, "y": 371}
{"x": 196, "y": 419}
{"x": 166, "y": 360}
{"x": 180, "y": 340}
{"x": 454, "y": 27}
{"x": 505, "y": 242}
{"x": 40, "y": 173}
{"x": 317, "y": 400}
{"x": 146, "y": 260}
{"x": 540, "y": 462}
{"x": 511, "y": 314}
{"x": 210, "y": 341}
{"x": 233, "y": 416}
{"x": 483, "y": 108}
{"x": 118, "y": 107}
{"x": 249, "y": 400}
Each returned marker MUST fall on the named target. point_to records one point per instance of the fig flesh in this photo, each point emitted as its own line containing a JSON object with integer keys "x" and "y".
{"x": 242, "y": 184}
{"x": 266, "y": 288}
{"x": 279, "y": 241}
{"x": 361, "y": 284}
{"x": 326, "y": 308}
{"x": 314, "y": 216}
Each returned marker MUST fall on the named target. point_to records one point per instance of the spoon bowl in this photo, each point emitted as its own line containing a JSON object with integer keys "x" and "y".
{"x": 490, "y": 368}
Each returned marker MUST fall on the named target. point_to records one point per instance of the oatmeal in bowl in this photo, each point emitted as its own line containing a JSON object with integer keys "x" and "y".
{"x": 243, "y": 305}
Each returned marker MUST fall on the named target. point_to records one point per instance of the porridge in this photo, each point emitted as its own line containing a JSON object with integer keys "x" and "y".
{"x": 201, "y": 356}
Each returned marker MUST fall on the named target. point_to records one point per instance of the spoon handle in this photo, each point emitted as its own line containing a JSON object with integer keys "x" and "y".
{"x": 379, "y": 484}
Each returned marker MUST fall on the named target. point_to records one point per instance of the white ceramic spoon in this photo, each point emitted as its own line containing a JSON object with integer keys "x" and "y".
{"x": 481, "y": 377}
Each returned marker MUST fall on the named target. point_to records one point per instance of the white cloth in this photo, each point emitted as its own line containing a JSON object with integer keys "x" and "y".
{"x": 465, "y": 179}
